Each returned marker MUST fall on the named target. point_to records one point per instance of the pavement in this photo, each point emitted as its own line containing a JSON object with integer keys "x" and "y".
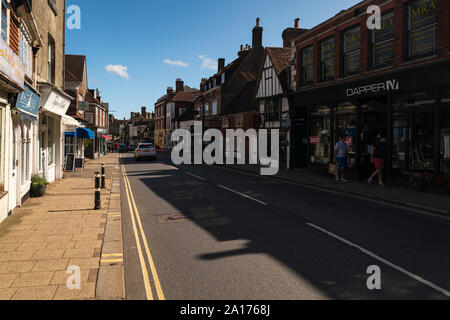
{"x": 50, "y": 235}
{"x": 219, "y": 234}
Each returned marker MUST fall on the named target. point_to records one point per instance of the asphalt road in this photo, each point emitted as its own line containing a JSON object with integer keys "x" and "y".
{"x": 214, "y": 234}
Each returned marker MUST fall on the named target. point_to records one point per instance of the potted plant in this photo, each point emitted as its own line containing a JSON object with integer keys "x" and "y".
{"x": 38, "y": 186}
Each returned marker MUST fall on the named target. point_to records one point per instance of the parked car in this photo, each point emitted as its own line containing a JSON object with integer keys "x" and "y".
{"x": 145, "y": 151}
{"x": 123, "y": 148}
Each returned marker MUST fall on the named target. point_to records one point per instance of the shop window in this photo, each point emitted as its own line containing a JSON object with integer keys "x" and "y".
{"x": 4, "y": 21}
{"x": 382, "y": 43}
{"x": 307, "y": 65}
{"x": 1, "y": 150}
{"x": 345, "y": 125}
{"x": 445, "y": 134}
{"x": 422, "y": 28}
{"x": 351, "y": 51}
{"x": 320, "y": 134}
{"x": 413, "y": 129}
{"x": 327, "y": 59}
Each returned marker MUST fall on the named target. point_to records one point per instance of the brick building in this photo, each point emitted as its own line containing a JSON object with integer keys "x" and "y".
{"x": 364, "y": 83}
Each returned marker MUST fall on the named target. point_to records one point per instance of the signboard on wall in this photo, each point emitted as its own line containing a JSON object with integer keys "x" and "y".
{"x": 11, "y": 64}
{"x": 314, "y": 140}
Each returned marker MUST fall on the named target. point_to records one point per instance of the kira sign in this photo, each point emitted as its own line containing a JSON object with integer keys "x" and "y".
{"x": 390, "y": 85}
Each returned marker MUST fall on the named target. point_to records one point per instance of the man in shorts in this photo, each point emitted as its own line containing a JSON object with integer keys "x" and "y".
{"x": 341, "y": 159}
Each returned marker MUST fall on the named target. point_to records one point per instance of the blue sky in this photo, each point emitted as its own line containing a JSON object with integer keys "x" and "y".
{"x": 158, "y": 41}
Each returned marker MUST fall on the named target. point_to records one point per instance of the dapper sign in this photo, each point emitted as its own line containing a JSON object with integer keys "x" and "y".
{"x": 390, "y": 85}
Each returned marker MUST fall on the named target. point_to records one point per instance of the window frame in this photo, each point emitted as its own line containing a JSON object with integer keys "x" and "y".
{"x": 408, "y": 30}
{"x": 343, "y": 53}
{"x": 51, "y": 56}
{"x": 304, "y": 82}
{"x": 4, "y": 32}
{"x": 323, "y": 61}
{"x": 373, "y": 43}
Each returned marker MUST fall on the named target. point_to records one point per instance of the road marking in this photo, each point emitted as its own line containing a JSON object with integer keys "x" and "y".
{"x": 243, "y": 195}
{"x": 112, "y": 255}
{"x": 159, "y": 290}
{"x": 390, "y": 264}
{"x": 195, "y": 176}
{"x": 111, "y": 261}
{"x": 148, "y": 288}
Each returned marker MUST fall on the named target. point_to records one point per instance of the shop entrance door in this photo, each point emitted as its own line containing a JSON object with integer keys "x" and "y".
{"x": 13, "y": 181}
{"x": 373, "y": 126}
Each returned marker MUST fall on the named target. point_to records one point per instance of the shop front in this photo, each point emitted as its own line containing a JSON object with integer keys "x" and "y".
{"x": 24, "y": 133}
{"x": 54, "y": 104}
{"x": 411, "y": 107}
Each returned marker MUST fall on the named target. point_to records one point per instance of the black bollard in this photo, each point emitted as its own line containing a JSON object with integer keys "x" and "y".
{"x": 103, "y": 176}
{"x": 98, "y": 200}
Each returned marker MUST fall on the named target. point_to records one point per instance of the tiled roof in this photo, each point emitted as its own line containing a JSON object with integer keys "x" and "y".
{"x": 74, "y": 68}
{"x": 183, "y": 96}
{"x": 240, "y": 88}
{"x": 280, "y": 59}
{"x": 244, "y": 101}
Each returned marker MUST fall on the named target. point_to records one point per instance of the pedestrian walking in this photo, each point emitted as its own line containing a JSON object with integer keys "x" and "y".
{"x": 341, "y": 159}
{"x": 378, "y": 158}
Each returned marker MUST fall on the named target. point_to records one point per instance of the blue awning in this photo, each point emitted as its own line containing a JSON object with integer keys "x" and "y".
{"x": 70, "y": 134}
{"x": 84, "y": 133}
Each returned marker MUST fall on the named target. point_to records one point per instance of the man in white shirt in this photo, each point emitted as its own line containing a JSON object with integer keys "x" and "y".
{"x": 341, "y": 159}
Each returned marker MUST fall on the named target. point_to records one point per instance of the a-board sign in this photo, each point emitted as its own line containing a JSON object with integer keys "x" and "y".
{"x": 79, "y": 163}
{"x": 70, "y": 162}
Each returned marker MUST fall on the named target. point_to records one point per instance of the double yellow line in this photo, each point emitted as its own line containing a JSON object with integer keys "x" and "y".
{"x": 140, "y": 234}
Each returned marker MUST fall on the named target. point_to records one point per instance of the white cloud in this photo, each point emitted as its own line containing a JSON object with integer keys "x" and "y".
{"x": 208, "y": 63}
{"x": 118, "y": 69}
{"x": 177, "y": 63}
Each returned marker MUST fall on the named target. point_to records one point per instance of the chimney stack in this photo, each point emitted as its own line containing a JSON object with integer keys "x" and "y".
{"x": 290, "y": 34}
{"x": 221, "y": 64}
{"x": 169, "y": 90}
{"x": 257, "y": 35}
{"x": 144, "y": 112}
{"x": 179, "y": 85}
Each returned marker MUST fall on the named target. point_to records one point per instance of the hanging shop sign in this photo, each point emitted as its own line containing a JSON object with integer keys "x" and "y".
{"x": 28, "y": 101}
{"x": 57, "y": 104}
{"x": 11, "y": 64}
